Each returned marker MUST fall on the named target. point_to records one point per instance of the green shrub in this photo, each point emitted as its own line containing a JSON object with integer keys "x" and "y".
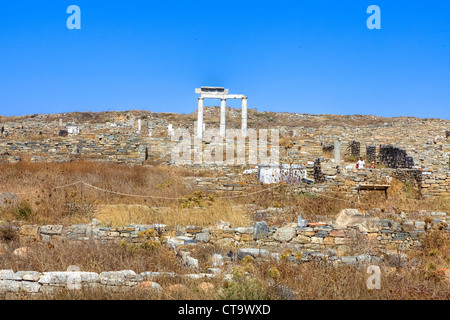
{"x": 23, "y": 211}
{"x": 244, "y": 289}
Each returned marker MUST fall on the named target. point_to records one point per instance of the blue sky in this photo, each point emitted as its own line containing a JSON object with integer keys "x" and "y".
{"x": 315, "y": 57}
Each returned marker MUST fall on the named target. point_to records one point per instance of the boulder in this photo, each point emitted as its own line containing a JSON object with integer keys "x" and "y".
{"x": 118, "y": 278}
{"x": 72, "y": 279}
{"x": 260, "y": 230}
{"x": 217, "y": 260}
{"x": 22, "y": 253}
{"x": 151, "y": 286}
{"x": 350, "y": 218}
{"x": 73, "y": 268}
{"x": 284, "y": 234}
{"x": 244, "y": 230}
{"x": 202, "y": 237}
{"x": 254, "y": 252}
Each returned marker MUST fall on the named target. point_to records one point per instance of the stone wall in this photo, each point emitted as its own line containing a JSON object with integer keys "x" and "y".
{"x": 354, "y": 238}
{"x": 350, "y": 225}
{"x": 34, "y": 283}
{"x": 101, "y": 147}
{"x": 344, "y": 182}
{"x": 422, "y": 144}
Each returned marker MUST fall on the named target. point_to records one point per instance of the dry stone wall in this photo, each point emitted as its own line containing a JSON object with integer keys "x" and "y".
{"x": 354, "y": 238}
{"x": 418, "y": 144}
{"x": 400, "y": 234}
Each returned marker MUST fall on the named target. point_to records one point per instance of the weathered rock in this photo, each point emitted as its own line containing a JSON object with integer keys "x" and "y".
{"x": 284, "y": 234}
{"x": 349, "y": 260}
{"x": 62, "y": 278}
{"x": 22, "y": 253}
{"x": 396, "y": 259}
{"x": 73, "y": 268}
{"x": 244, "y": 230}
{"x": 51, "y": 229}
{"x": 255, "y": 252}
{"x": 30, "y": 287}
{"x": 32, "y": 276}
{"x": 203, "y": 237}
{"x": 118, "y": 278}
{"x": 151, "y": 286}
{"x": 350, "y": 217}
{"x": 148, "y": 275}
{"x": 225, "y": 242}
{"x": 261, "y": 230}
{"x": 9, "y": 275}
{"x": 193, "y": 229}
{"x": 217, "y": 260}
{"x": 213, "y": 270}
{"x": 188, "y": 261}
{"x": 29, "y": 230}
{"x": 174, "y": 243}
{"x": 10, "y": 286}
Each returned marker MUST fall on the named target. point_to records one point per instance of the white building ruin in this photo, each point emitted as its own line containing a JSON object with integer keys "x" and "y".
{"x": 223, "y": 95}
{"x": 276, "y": 173}
{"x": 73, "y": 129}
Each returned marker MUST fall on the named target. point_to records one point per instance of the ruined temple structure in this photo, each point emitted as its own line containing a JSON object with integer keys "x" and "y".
{"x": 393, "y": 157}
{"x": 371, "y": 154}
{"x": 354, "y": 148}
{"x": 319, "y": 144}
{"x": 318, "y": 175}
{"x": 223, "y": 95}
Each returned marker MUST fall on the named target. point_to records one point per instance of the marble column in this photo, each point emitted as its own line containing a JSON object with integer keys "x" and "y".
{"x": 223, "y": 106}
{"x": 244, "y": 117}
{"x": 200, "y": 119}
{"x": 337, "y": 152}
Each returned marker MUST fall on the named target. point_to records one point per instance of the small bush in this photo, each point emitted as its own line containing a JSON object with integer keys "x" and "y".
{"x": 244, "y": 289}
{"x": 197, "y": 199}
{"x": 8, "y": 233}
{"x": 23, "y": 211}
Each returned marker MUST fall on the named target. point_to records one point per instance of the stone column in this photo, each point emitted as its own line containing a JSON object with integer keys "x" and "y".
{"x": 200, "y": 119}
{"x": 244, "y": 116}
{"x": 139, "y": 125}
{"x": 337, "y": 152}
{"x": 223, "y": 105}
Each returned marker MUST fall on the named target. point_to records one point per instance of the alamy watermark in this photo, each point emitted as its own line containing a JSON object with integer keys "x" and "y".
{"x": 74, "y": 21}
{"x": 235, "y": 148}
{"x": 374, "y": 281}
{"x": 374, "y": 21}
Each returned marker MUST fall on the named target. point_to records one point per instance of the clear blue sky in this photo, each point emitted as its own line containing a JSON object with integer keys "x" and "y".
{"x": 314, "y": 57}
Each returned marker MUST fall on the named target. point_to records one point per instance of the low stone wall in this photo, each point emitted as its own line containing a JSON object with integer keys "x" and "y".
{"x": 102, "y": 147}
{"x": 354, "y": 238}
{"x": 428, "y": 184}
{"x": 383, "y": 234}
{"x": 35, "y": 283}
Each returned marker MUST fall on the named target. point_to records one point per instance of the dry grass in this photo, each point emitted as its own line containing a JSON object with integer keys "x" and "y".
{"x": 42, "y": 203}
{"x": 122, "y": 215}
{"x": 252, "y": 278}
{"x": 36, "y": 184}
{"x": 89, "y": 256}
{"x": 403, "y": 197}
